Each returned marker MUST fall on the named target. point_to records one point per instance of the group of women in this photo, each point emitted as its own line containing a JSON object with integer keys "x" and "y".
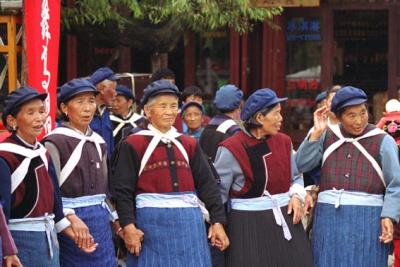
{"x": 62, "y": 187}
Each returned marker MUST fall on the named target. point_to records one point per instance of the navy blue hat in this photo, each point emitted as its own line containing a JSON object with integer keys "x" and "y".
{"x": 102, "y": 74}
{"x": 228, "y": 97}
{"x": 192, "y": 103}
{"x": 17, "y": 98}
{"x": 125, "y": 91}
{"x": 159, "y": 87}
{"x": 321, "y": 96}
{"x": 348, "y": 96}
{"x": 74, "y": 87}
{"x": 260, "y": 99}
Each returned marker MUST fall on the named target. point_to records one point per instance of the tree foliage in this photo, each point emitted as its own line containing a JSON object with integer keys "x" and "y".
{"x": 197, "y": 15}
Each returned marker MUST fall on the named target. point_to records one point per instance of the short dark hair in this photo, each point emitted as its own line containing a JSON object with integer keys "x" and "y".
{"x": 192, "y": 90}
{"x": 252, "y": 122}
{"x": 163, "y": 73}
{"x": 340, "y": 112}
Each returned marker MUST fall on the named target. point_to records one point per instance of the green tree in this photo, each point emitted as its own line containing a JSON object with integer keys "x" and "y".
{"x": 157, "y": 25}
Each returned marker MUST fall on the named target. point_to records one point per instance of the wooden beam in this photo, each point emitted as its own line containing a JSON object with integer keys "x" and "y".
{"x": 189, "y": 59}
{"x": 12, "y": 54}
{"x": 327, "y": 48}
{"x": 243, "y": 63}
{"x": 234, "y": 57}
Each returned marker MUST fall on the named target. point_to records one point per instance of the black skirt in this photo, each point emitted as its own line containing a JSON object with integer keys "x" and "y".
{"x": 256, "y": 240}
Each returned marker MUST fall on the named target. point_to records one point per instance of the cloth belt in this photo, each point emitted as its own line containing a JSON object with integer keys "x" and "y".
{"x": 87, "y": 201}
{"x": 267, "y": 202}
{"x": 77, "y": 153}
{"x": 19, "y": 173}
{"x": 223, "y": 127}
{"x": 187, "y": 200}
{"x": 168, "y": 137}
{"x": 37, "y": 224}
{"x": 336, "y": 130}
{"x": 342, "y": 197}
{"x": 123, "y": 122}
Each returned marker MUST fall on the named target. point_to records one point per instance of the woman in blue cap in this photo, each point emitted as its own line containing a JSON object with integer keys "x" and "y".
{"x": 359, "y": 194}
{"x": 80, "y": 159}
{"x": 29, "y": 188}
{"x": 192, "y": 115}
{"x": 261, "y": 185}
{"x": 159, "y": 177}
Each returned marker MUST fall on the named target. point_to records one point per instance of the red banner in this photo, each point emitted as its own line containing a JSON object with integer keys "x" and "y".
{"x": 42, "y": 32}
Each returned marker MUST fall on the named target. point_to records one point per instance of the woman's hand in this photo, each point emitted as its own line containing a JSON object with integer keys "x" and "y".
{"x": 320, "y": 123}
{"x": 218, "y": 237}
{"x": 71, "y": 235}
{"x": 295, "y": 207}
{"x": 133, "y": 238}
{"x": 387, "y": 230}
{"x": 83, "y": 238}
{"x": 12, "y": 261}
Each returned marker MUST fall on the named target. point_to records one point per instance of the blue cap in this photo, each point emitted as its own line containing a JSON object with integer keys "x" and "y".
{"x": 102, "y": 74}
{"x": 17, "y": 98}
{"x": 125, "y": 91}
{"x": 159, "y": 87}
{"x": 192, "y": 103}
{"x": 73, "y": 88}
{"x": 260, "y": 99}
{"x": 228, "y": 97}
{"x": 348, "y": 96}
{"x": 321, "y": 96}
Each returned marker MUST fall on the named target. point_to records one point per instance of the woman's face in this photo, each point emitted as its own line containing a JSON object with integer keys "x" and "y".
{"x": 354, "y": 119}
{"x": 80, "y": 110}
{"x": 162, "y": 111}
{"x": 29, "y": 120}
{"x": 272, "y": 121}
{"x": 193, "y": 118}
{"x": 121, "y": 105}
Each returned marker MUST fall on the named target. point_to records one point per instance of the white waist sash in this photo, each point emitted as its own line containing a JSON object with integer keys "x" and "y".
{"x": 37, "y": 224}
{"x": 87, "y": 201}
{"x": 342, "y": 197}
{"x": 271, "y": 202}
{"x": 187, "y": 200}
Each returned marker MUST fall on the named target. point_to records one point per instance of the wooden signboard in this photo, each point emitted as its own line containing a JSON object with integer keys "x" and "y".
{"x": 285, "y": 3}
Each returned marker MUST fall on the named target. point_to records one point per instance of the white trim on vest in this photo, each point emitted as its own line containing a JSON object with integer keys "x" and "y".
{"x": 158, "y": 136}
{"x": 122, "y": 122}
{"x": 77, "y": 153}
{"x": 336, "y": 130}
{"x": 19, "y": 173}
{"x": 223, "y": 127}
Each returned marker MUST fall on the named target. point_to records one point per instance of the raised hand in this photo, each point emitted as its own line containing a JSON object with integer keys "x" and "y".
{"x": 320, "y": 123}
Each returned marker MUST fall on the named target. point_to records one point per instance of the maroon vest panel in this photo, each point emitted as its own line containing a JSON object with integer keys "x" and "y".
{"x": 166, "y": 170}
{"x": 347, "y": 168}
{"x": 35, "y": 195}
{"x": 266, "y": 164}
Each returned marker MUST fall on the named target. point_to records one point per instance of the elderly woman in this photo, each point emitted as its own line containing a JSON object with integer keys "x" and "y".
{"x": 80, "y": 159}
{"x": 29, "y": 188}
{"x": 359, "y": 184}
{"x": 159, "y": 176}
{"x": 192, "y": 114}
{"x": 260, "y": 182}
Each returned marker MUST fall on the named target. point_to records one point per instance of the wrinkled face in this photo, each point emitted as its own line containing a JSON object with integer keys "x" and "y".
{"x": 121, "y": 105}
{"x": 194, "y": 98}
{"x": 29, "y": 120}
{"x": 193, "y": 117}
{"x": 80, "y": 110}
{"x": 354, "y": 119}
{"x": 162, "y": 111}
{"x": 272, "y": 121}
{"x": 107, "y": 90}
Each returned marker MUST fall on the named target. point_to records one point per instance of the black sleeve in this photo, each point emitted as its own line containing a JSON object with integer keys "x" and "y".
{"x": 123, "y": 183}
{"x": 206, "y": 186}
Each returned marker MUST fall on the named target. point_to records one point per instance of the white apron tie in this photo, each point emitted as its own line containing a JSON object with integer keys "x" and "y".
{"x": 123, "y": 122}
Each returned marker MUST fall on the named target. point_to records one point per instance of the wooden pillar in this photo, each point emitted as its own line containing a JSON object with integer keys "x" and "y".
{"x": 12, "y": 53}
{"x": 243, "y": 63}
{"x": 189, "y": 59}
{"x": 327, "y": 48}
{"x": 265, "y": 54}
{"x": 234, "y": 48}
{"x": 393, "y": 52}
{"x": 124, "y": 62}
{"x": 71, "y": 57}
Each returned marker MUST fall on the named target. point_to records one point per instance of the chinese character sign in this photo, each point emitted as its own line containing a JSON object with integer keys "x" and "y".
{"x": 42, "y": 29}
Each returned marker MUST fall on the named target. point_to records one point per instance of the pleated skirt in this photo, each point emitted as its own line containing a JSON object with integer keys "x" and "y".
{"x": 348, "y": 236}
{"x": 33, "y": 249}
{"x": 174, "y": 237}
{"x": 96, "y": 218}
{"x": 256, "y": 240}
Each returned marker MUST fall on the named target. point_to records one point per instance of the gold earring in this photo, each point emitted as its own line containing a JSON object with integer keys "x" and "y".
{"x": 14, "y": 128}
